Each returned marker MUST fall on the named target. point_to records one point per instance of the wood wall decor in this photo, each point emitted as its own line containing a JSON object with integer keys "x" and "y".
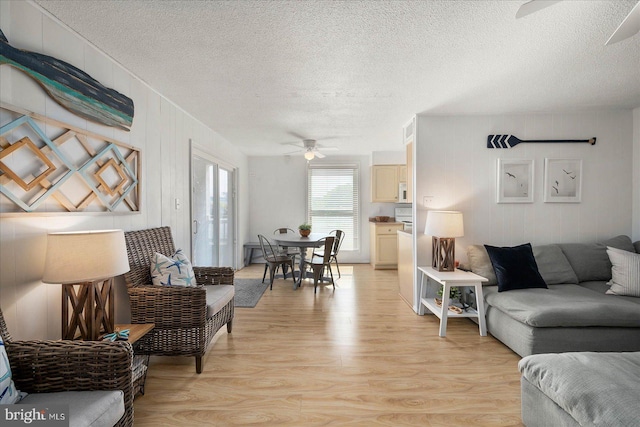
{"x": 510, "y": 141}
{"x": 64, "y": 169}
{"x": 71, "y": 87}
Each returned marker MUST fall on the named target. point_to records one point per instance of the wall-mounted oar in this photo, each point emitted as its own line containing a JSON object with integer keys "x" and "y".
{"x": 510, "y": 141}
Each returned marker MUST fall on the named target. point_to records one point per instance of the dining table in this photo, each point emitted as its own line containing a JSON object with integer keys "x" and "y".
{"x": 290, "y": 240}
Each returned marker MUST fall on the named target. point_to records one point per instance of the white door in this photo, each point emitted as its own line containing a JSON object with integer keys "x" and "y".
{"x": 212, "y": 212}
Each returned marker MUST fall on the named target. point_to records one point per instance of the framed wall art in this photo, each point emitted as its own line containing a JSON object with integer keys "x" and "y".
{"x": 562, "y": 180}
{"x": 514, "y": 181}
{"x": 50, "y": 167}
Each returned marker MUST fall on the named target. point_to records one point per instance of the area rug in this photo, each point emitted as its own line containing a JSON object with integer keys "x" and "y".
{"x": 249, "y": 292}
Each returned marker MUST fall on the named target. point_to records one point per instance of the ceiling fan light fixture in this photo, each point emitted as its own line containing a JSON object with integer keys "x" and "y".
{"x": 309, "y": 155}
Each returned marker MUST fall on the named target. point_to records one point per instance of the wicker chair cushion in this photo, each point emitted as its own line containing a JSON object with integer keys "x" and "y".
{"x": 86, "y": 408}
{"x": 217, "y": 297}
{"x": 175, "y": 270}
{"x": 8, "y": 392}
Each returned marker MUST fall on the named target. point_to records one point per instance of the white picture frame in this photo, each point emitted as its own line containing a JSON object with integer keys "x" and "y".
{"x": 562, "y": 180}
{"x": 514, "y": 181}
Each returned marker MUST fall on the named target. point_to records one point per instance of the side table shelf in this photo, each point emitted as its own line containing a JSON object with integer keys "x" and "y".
{"x": 140, "y": 361}
{"x": 449, "y": 279}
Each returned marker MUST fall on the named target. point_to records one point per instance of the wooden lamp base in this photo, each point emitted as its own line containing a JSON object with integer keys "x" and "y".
{"x": 443, "y": 253}
{"x": 90, "y": 310}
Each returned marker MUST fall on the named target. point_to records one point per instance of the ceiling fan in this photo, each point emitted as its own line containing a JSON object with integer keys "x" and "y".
{"x": 627, "y": 28}
{"x": 310, "y": 148}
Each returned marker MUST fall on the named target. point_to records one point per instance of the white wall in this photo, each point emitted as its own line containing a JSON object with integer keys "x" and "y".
{"x": 636, "y": 174}
{"x": 160, "y": 129}
{"x": 454, "y": 165}
{"x": 278, "y": 194}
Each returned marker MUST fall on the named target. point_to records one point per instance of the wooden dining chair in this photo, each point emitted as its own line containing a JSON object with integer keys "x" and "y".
{"x": 323, "y": 264}
{"x": 273, "y": 259}
{"x": 339, "y": 238}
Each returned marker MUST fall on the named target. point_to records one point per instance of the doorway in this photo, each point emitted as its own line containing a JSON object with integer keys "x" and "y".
{"x": 213, "y": 211}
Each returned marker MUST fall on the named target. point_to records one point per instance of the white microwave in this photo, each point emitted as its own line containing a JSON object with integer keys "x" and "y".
{"x": 402, "y": 192}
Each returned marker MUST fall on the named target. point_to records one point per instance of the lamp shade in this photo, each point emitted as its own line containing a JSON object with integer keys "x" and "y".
{"x": 444, "y": 224}
{"x": 84, "y": 256}
{"x": 309, "y": 155}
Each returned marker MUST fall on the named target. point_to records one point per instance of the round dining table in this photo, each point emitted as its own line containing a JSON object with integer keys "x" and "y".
{"x": 291, "y": 240}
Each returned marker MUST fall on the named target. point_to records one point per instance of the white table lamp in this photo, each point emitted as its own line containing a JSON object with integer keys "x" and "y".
{"x": 88, "y": 260}
{"x": 444, "y": 227}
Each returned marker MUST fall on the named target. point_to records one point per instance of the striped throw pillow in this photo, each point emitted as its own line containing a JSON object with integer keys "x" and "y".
{"x": 8, "y": 392}
{"x": 625, "y": 272}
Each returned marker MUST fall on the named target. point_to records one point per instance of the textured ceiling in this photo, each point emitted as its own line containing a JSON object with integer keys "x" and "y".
{"x": 351, "y": 73}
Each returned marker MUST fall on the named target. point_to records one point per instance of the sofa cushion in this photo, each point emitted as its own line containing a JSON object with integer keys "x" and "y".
{"x": 480, "y": 264}
{"x": 217, "y": 297}
{"x": 86, "y": 408}
{"x": 625, "y": 273}
{"x": 564, "y": 305}
{"x": 590, "y": 260}
{"x": 515, "y": 267}
{"x": 596, "y": 389}
{"x": 553, "y": 266}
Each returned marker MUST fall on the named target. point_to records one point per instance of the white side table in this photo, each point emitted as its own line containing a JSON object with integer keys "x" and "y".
{"x": 449, "y": 279}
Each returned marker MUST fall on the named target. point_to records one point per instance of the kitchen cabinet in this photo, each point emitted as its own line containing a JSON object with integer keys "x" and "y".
{"x": 384, "y": 183}
{"x": 384, "y": 244}
{"x": 402, "y": 174}
{"x": 406, "y": 268}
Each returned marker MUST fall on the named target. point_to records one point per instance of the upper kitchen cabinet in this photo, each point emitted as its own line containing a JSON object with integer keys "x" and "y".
{"x": 384, "y": 183}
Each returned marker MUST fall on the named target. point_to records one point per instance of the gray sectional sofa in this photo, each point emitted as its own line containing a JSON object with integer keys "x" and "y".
{"x": 581, "y": 389}
{"x": 574, "y": 313}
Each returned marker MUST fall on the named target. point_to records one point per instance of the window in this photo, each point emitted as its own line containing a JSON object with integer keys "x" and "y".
{"x": 332, "y": 201}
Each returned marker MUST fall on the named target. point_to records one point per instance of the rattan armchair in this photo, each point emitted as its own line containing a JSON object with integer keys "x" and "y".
{"x": 56, "y": 366}
{"x": 182, "y": 325}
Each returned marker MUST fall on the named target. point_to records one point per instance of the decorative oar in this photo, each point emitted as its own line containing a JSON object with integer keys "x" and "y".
{"x": 510, "y": 141}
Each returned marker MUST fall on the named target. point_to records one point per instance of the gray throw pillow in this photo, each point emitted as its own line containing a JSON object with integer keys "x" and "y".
{"x": 480, "y": 264}
{"x": 553, "y": 265}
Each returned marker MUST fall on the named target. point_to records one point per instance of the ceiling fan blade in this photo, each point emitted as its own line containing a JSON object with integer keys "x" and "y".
{"x": 294, "y": 152}
{"x": 628, "y": 27}
{"x": 319, "y": 155}
{"x": 295, "y": 144}
{"x": 296, "y": 135}
{"x": 325, "y": 148}
{"x": 534, "y": 6}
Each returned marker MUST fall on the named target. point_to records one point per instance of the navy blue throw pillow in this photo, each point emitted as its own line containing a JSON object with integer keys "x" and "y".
{"x": 515, "y": 267}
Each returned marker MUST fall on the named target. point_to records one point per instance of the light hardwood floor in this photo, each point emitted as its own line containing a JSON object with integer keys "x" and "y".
{"x": 356, "y": 356}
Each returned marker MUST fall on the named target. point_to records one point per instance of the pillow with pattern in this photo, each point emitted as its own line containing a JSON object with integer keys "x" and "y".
{"x": 8, "y": 392}
{"x": 175, "y": 270}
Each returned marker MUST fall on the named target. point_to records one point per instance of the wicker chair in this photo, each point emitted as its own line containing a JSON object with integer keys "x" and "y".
{"x": 183, "y": 327}
{"x": 57, "y": 366}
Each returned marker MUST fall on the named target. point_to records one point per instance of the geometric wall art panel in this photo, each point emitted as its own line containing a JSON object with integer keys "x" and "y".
{"x": 48, "y": 166}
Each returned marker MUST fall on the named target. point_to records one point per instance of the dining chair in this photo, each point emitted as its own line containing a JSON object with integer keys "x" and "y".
{"x": 281, "y": 249}
{"x": 321, "y": 265}
{"x": 273, "y": 259}
{"x": 339, "y": 238}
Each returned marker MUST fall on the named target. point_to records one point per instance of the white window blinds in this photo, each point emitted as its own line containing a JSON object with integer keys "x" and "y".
{"x": 333, "y": 202}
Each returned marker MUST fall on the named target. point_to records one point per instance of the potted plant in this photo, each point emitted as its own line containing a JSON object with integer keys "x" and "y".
{"x": 304, "y": 229}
